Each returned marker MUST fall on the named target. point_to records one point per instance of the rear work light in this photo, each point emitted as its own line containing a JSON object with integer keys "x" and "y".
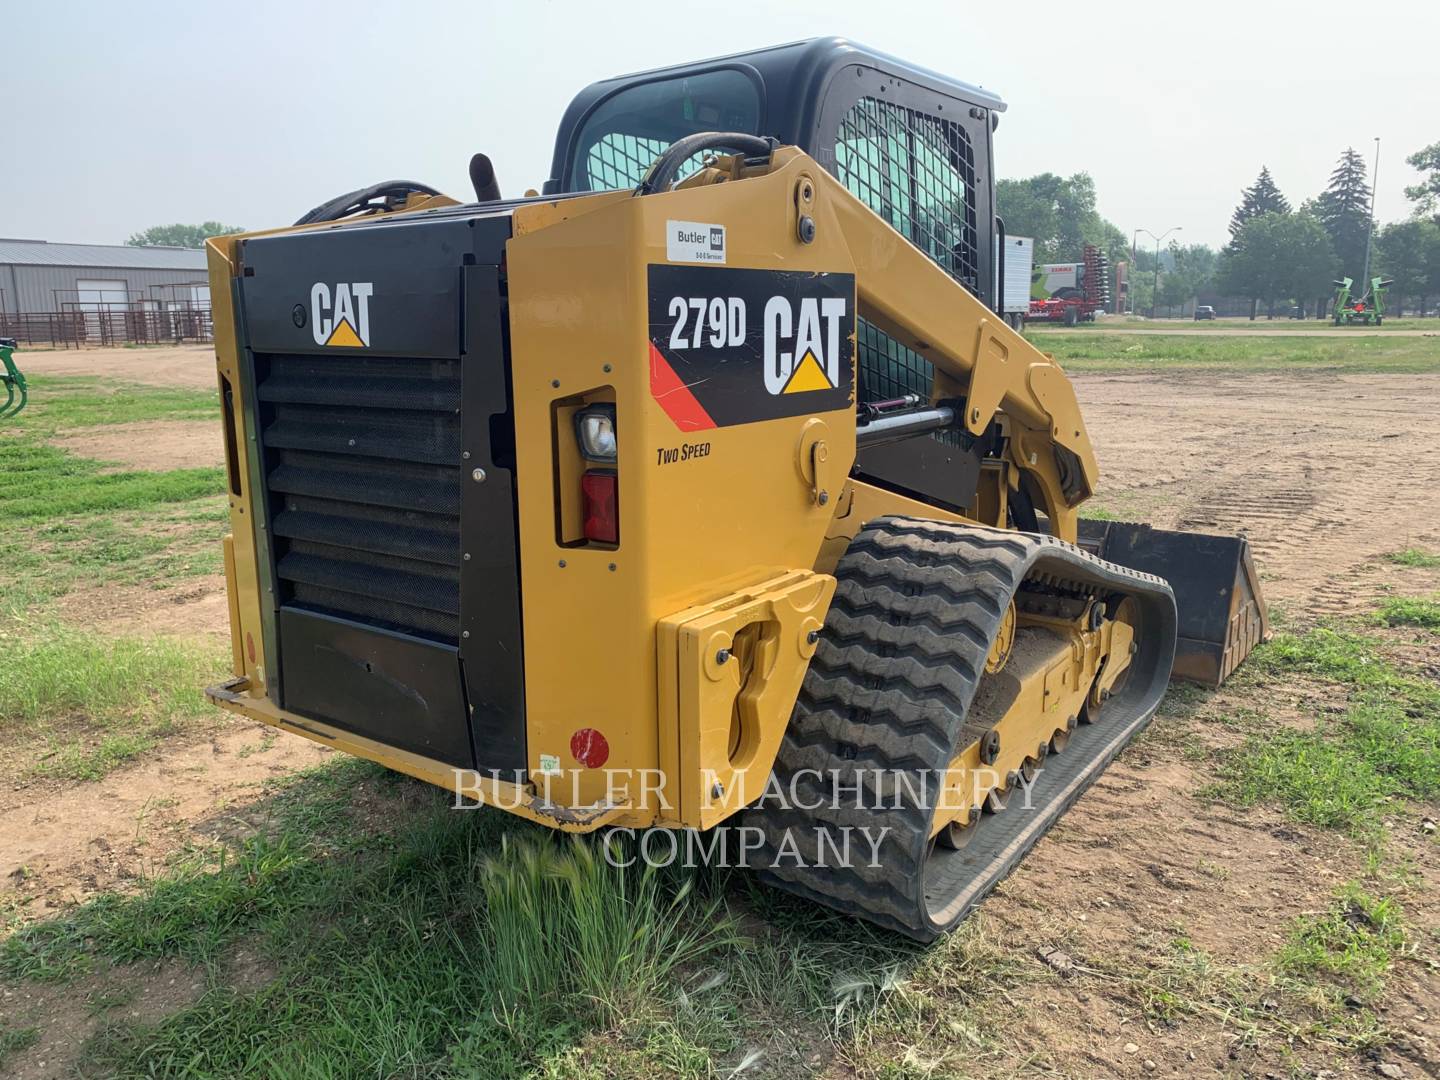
{"x": 595, "y": 429}
{"x": 600, "y": 505}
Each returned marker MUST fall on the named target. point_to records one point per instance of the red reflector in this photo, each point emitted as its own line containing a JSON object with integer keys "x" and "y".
{"x": 590, "y": 748}
{"x": 598, "y": 501}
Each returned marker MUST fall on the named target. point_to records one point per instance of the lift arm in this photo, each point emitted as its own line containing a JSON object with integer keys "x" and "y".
{"x": 977, "y": 357}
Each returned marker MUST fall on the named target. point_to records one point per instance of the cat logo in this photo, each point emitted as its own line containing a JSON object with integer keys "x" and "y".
{"x": 812, "y": 361}
{"x": 346, "y": 323}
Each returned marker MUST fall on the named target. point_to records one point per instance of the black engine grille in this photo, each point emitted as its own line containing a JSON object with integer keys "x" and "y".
{"x": 362, "y": 471}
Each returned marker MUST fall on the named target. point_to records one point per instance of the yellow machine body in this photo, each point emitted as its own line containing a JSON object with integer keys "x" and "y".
{"x": 733, "y": 537}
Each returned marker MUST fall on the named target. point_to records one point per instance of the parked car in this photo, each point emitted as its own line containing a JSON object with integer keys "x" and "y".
{"x": 1204, "y": 311}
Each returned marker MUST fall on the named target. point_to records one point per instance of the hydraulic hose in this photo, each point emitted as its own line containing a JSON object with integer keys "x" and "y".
{"x": 662, "y": 174}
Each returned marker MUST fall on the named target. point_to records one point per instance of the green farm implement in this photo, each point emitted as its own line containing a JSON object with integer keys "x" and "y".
{"x": 16, "y": 391}
{"x": 1368, "y": 310}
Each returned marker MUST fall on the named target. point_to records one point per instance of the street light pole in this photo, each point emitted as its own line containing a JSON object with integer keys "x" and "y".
{"x": 1369, "y": 232}
{"x": 1155, "y": 288}
{"x": 1134, "y": 238}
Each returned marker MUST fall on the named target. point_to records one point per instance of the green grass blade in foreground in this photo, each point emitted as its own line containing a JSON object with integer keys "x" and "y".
{"x": 437, "y": 947}
{"x": 614, "y": 934}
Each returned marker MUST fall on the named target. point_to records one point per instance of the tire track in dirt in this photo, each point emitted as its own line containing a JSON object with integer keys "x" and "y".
{"x": 1323, "y": 473}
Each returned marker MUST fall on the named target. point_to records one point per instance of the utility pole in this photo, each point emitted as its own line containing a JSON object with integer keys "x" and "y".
{"x": 1369, "y": 232}
{"x": 1134, "y": 239}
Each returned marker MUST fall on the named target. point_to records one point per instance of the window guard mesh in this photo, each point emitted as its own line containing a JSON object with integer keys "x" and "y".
{"x": 917, "y": 172}
{"x": 617, "y": 160}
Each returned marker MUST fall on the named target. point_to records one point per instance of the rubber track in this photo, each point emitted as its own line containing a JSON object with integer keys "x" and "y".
{"x": 917, "y": 605}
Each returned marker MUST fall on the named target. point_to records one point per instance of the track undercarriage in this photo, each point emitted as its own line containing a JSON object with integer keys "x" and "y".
{"x": 970, "y": 684}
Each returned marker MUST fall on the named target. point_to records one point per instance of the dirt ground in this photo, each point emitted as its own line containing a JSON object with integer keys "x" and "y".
{"x": 64, "y": 843}
{"x": 1324, "y": 473}
{"x": 148, "y": 445}
{"x": 191, "y": 366}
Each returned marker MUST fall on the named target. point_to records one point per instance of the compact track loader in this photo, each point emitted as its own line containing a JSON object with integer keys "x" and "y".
{"x": 705, "y": 489}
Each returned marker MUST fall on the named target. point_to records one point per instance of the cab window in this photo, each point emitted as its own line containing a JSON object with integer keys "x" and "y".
{"x": 629, "y": 130}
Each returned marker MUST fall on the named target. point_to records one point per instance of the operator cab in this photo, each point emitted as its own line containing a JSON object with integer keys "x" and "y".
{"x": 912, "y": 145}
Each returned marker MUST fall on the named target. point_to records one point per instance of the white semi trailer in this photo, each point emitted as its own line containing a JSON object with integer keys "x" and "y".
{"x": 1013, "y": 267}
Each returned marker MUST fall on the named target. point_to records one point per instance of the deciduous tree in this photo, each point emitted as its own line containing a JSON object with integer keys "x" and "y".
{"x": 185, "y": 236}
{"x": 1426, "y": 193}
{"x": 1278, "y": 257}
{"x": 1409, "y": 252}
{"x": 1059, "y": 212}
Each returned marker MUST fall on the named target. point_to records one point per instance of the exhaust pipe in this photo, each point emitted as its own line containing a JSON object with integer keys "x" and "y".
{"x": 482, "y": 179}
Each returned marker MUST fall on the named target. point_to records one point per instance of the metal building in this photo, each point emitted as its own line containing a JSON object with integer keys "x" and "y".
{"x": 101, "y": 294}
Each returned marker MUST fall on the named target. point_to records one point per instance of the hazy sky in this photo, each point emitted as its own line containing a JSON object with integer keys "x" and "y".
{"x": 120, "y": 116}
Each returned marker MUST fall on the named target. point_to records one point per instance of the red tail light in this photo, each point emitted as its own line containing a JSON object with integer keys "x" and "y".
{"x": 599, "y": 501}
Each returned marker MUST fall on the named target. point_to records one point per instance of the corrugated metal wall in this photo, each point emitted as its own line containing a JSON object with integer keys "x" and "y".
{"x": 33, "y": 288}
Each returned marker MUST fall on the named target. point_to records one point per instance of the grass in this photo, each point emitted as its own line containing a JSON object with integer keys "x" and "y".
{"x": 398, "y": 938}
{"x": 61, "y": 402}
{"x": 79, "y": 703}
{"x": 97, "y": 701}
{"x": 453, "y": 943}
{"x": 38, "y": 481}
{"x": 1274, "y": 1000}
{"x": 1384, "y": 745}
{"x": 422, "y": 941}
{"x": 155, "y": 547}
{"x": 1279, "y": 325}
{"x": 52, "y": 673}
{"x": 13, "y": 1040}
{"x": 1091, "y": 351}
{"x": 1410, "y": 611}
{"x": 65, "y": 522}
{"x": 1354, "y": 943}
{"x": 1414, "y": 557}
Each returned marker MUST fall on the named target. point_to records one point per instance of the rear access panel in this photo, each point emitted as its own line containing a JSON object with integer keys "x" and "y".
{"x": 391, "y": 687}
{"x": 377, "y": 370}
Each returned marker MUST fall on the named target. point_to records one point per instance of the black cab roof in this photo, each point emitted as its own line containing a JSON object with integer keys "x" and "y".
{"x": 789, "y": 85}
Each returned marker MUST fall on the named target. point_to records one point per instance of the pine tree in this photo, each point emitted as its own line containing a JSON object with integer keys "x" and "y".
{"x": 1261, "y": 197}
{"x": 1344, "y": 208}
